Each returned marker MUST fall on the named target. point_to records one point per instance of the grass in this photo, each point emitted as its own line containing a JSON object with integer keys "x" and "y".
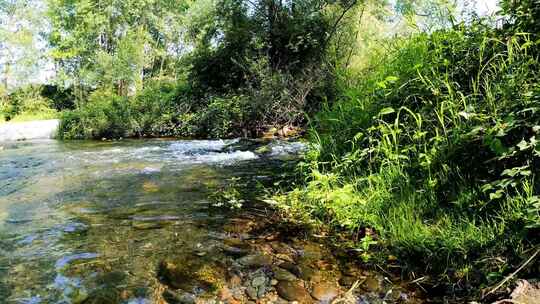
{"x": 435, "y": 149}
{"x": 31, "y": 117}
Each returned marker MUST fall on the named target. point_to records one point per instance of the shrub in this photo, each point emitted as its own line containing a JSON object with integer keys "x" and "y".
{"x": 26, "y": 101}
{"x": 159, "y": 107}
{"x": 223, "y": 117}
{"x": 104, "y": 115}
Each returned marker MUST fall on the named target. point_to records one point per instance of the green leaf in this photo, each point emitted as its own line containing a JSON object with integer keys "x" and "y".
{"x": 497, "y": 146}
{"x": 391, "y": 79}
{"x": 523, "y": 145}
{"x": 496, "y": 195}
{"x": 386, "y": 111}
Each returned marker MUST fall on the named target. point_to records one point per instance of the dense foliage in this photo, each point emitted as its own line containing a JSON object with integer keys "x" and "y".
{"x": 433, "y": 151}
{"x": 243, "y": 66}
{"x": 33, "y": 102}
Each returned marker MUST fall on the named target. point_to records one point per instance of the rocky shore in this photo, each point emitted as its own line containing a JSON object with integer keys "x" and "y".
{"x": 264, "y": 264}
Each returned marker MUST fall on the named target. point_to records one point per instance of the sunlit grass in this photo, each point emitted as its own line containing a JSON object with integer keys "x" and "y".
{"x": 23, "y": 117}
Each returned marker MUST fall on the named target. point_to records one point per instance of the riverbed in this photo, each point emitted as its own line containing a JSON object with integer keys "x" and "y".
{"x": 136, "y": 221}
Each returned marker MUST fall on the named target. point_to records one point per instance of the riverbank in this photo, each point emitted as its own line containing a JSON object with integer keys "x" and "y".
{"x": 433, "y": 156}
{"x": 39, "y": 129}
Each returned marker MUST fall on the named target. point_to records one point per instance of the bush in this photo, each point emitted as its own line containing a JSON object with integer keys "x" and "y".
{"x": 223, "y": 117}
{"x": 159, "y": 107}
{"x": 61, "y": 98}
{"x": 26, "y": 101}
{"x": 163, "y": 108}
{"x": 104, "y": 115}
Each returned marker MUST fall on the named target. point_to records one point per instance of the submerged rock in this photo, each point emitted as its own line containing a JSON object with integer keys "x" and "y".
{"x": 293, "y": 291}
{"x": 146, "y": 225}
{"x": 325, "y": 291}
{"x": 258, "y": 284}
{"x": 256, "y": 260}
{"x": 186, "y": 277}
{"x": 281, "y": 274}
{"x": 174, "y": 297}
{"x": 234, "y": 251}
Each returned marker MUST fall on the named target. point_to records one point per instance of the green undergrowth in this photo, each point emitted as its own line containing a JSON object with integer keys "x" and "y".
{"x": 163, "y": 108}
{"x": 27, "y": 104}
{"x": 435, "y": 148}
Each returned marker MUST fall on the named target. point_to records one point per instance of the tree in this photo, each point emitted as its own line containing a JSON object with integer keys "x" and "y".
{"x": 114, "y": 43}
{"x": 21, "y": 44}
{"x": 289, "y": 35}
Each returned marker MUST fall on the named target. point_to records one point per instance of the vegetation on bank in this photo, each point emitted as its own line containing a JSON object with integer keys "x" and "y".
{"x": 432, "y": 153}
{"x": 33, "y": 102}
{"x": 243, "y": 67}
{"x": 424, "y": 139}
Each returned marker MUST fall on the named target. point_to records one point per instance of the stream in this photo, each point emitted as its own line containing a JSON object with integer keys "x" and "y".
{"x": 134, "y": 222}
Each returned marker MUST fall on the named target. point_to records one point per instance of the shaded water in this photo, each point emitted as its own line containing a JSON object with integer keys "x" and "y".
{"x": 102, "y": 222}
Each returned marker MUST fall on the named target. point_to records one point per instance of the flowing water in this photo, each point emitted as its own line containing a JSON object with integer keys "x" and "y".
{"x": 133, "y": 222}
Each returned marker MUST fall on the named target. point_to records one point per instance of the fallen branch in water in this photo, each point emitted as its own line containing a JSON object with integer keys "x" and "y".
{"x": 512, "y": 274}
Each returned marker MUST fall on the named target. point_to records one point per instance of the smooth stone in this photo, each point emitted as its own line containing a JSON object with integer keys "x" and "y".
{"x": 255, "y": 260}
{"x": 325, "y": 291}
{"x": 293, "y": 291}
{"x": 312, "y": 251}
{"x": 309, "y": 274}
{"x": 234, "y": 251}
{"x": 261, "y": 291}
{"x": 285, "y": 257}
{"x": 371, "y": 284}
{"x": 178, "y": 298}
{"x": 251, "y": 292}
{"x": 291, "y": 267}
{"x": 235, "y": 281}
{"x": 263, "y": 150}
{"x": 234, "y": 242}
{"x": 281, "y": 248}
{"x": 281, "y": 274}
{"x": 258, "y": 281}
{"x": 146, "y": 225}
{"x": 224, "y": 294}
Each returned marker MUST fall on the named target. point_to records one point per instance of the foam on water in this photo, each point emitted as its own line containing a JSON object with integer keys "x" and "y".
{"x": 287, "y": 148}
{"x": 225, "y": 158}
{"x": 185, "y": 151}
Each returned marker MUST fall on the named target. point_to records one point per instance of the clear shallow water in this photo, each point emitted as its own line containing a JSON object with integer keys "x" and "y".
{"x": 79, "y": 219}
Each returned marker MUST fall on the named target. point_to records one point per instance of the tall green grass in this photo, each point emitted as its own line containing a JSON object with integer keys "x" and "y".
{"x": 436, "y": 149}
